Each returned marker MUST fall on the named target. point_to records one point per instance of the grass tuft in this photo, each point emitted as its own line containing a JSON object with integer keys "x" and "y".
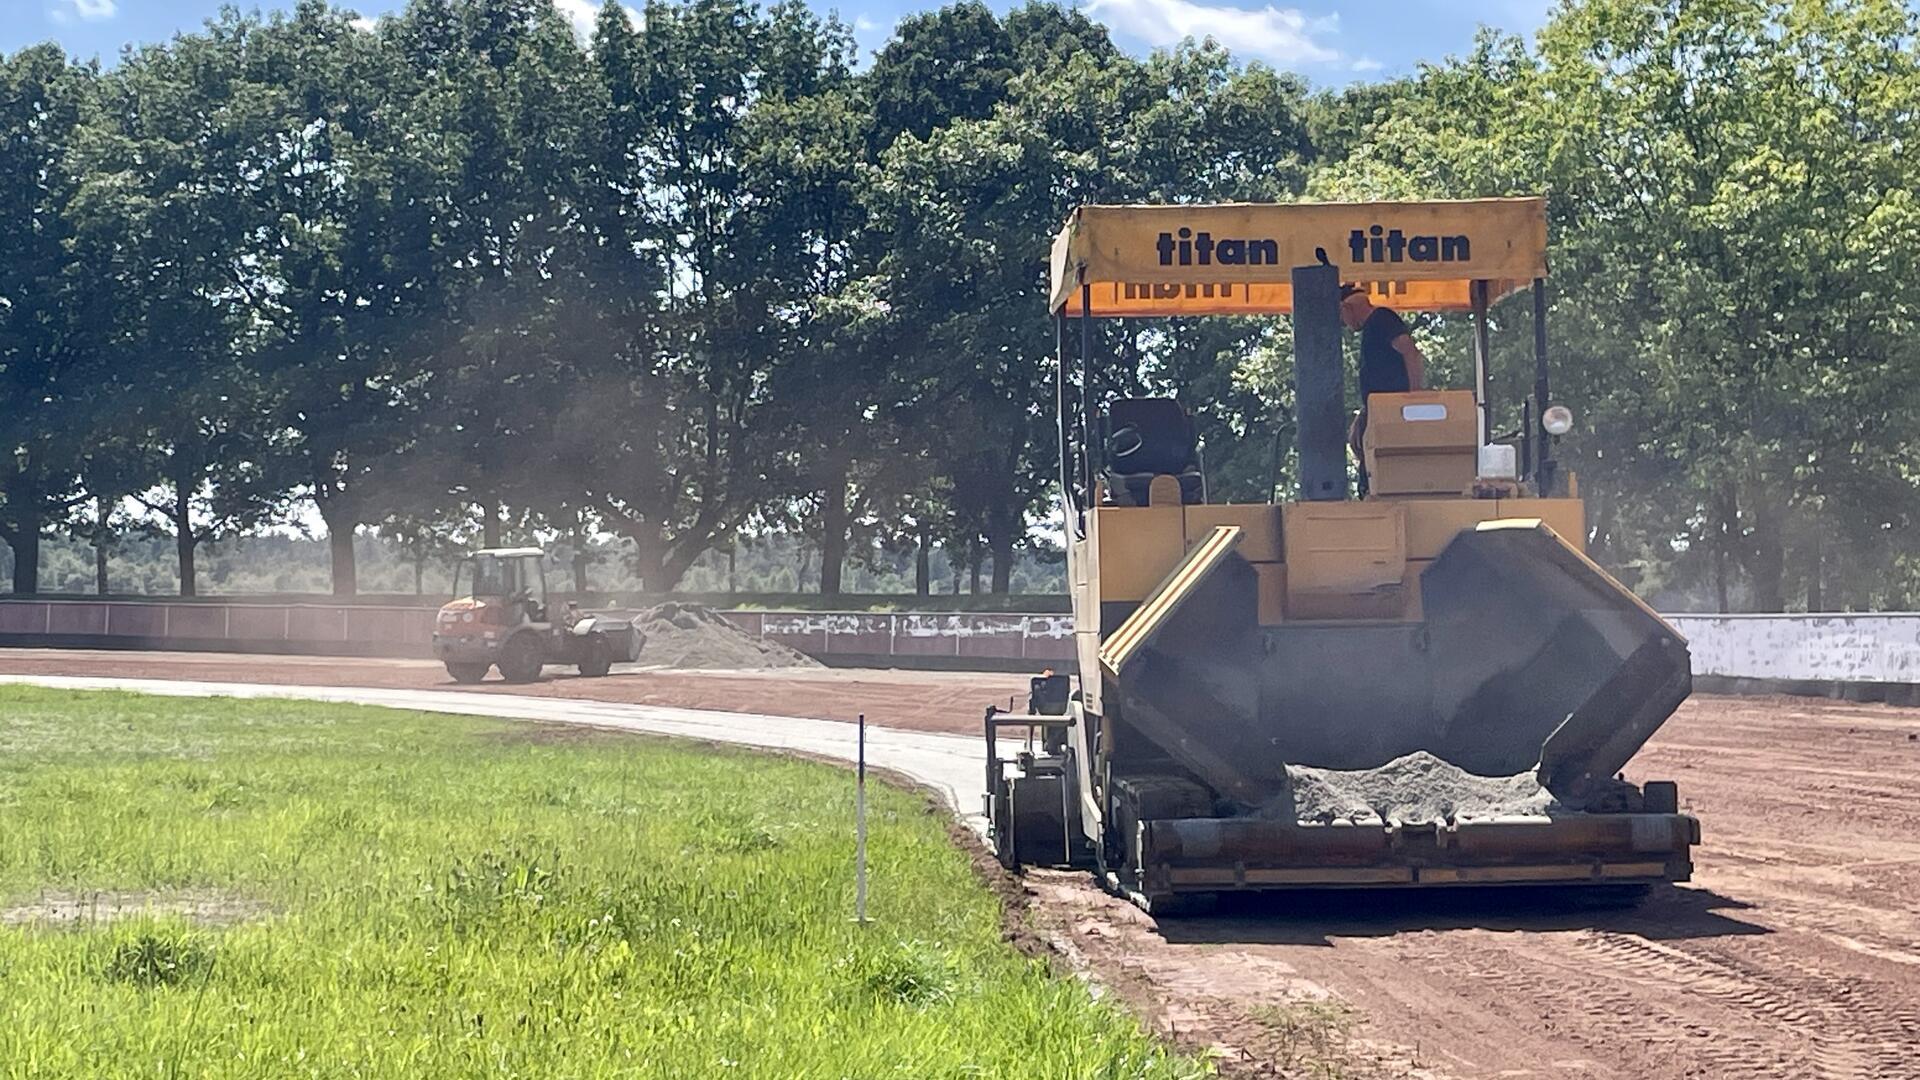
{"x": 1311, "y": 1036}
{"x": 162, "y": 956}
{"x": 493, "y": 885}
{"x": 907, "y": 973}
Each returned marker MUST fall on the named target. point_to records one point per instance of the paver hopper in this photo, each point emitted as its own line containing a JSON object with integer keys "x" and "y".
{"x": 1225, "y": 648}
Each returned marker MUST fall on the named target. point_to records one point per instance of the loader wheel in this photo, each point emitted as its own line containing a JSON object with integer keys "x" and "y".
{"x": 468, "y": 671}
{"x": 596, "y": 665}
{"x": 520, "y": 660}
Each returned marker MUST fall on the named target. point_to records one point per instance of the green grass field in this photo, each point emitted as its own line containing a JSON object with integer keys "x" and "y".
{"x": 225, "y": 888}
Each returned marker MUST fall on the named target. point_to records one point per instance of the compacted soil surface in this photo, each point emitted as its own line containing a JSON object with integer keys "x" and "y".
{"x": 1794, "y": 952}
{"x": 914, "y": 700}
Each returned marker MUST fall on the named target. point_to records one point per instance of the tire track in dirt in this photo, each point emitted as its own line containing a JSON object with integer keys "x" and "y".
{"x": 1806, "y": 1010}
{"x": 1637, "y": 1019}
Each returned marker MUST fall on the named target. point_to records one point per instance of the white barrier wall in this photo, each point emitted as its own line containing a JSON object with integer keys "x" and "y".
{"x": 1834, "y": 648}
{"x": 1879, "y": 648}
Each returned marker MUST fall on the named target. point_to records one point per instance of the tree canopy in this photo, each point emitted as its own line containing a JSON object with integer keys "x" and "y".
{"x": 707, "y": 276}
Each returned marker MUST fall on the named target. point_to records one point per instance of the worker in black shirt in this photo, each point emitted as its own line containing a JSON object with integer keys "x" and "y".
{"x": 1390, "y": 361}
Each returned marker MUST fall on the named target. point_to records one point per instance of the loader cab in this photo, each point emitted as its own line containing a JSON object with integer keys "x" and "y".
{"x": 508, "y": 584}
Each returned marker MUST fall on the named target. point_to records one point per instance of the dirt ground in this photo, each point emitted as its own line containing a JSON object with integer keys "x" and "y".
{"x": 915, "y": 700}
{"x": 1795, "y": 952}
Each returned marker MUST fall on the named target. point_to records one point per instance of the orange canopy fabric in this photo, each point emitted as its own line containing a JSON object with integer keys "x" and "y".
{"x": 1238, "y": 258}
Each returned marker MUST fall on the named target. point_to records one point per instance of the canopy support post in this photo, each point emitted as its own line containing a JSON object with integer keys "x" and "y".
{"x": 1087, "y": 440}
{"x": 1481, "y": 390}
{"x": 1319, "y": 378}
{"x": 1543, "y": 460}
{"x": 1070, "y": 520}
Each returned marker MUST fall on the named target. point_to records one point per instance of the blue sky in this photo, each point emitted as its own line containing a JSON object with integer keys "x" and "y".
{"x": 1331, "y": 42}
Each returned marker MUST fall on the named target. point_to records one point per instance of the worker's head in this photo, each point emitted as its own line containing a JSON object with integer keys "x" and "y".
{"x": 1354, "y": 306}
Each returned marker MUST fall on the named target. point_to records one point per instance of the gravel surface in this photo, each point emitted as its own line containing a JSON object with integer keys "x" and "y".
{"x": 695, "y": 636}
{"x": 1417, "y": 787}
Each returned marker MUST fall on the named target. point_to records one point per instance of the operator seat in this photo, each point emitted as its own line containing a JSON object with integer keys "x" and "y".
{"x": 1149, "y": 437}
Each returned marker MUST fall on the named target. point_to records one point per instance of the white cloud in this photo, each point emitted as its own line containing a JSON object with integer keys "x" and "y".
{"x": 365, "y": 24}
{"x": 582, "y": 13}
{"x": 864, "y": 25}
{"x": 1283, "y": 36}
{"x": 1367, "y": 63}
{"x": 89, "y": 10}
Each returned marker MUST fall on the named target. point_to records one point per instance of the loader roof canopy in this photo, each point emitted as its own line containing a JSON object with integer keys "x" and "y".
{"x": 1238, "y": 258}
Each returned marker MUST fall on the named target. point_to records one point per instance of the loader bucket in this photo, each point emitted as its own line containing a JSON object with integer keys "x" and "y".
{"x": 1529, "y": 656}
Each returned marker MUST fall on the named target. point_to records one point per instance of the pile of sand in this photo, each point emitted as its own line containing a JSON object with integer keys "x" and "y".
{"x": 695, "y": 636}
{"x": 1417, "y": 787}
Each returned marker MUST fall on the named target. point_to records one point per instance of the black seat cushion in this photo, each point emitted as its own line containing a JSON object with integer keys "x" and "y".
{"x": 1149, "y": 437}
{"x": 1130, "y": 489}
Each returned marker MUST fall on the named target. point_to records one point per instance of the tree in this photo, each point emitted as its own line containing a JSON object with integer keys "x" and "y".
{"x": 1732, "y": 305}
{"x": 349, "y": 204}
{"x": 940, "y": 67}
{"x": 679, "y": 442}
{"x": 165, "y": 205}
{"x": 48, "y": 303}
{"x": 981, "y": 198}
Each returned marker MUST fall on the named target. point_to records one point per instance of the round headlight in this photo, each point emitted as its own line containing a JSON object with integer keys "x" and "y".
{"x": 1558, "y": 420}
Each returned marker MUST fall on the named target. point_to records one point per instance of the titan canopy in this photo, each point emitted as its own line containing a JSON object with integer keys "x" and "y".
{"x": 1237, "y": 258}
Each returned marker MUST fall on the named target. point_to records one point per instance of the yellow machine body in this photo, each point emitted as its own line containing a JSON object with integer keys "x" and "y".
{"x": 1451, "y": 611}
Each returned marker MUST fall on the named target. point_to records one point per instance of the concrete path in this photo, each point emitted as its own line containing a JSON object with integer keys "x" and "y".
{"x": 952, "y": 765}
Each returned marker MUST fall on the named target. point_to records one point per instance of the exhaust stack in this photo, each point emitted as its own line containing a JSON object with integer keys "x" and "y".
{"x": 1319, "y": 382}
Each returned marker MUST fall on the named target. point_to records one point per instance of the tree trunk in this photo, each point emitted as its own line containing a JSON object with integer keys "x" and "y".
{"x": 489, "y": 525}
{"x": 1002, "y": 565}
{"x": 733, "y": 552}
{"x": 419, "y": 574}
{"x": 1723, "y": 551}
{"x": 923, "y": 564}
{"x": 1816, "y": 588}
{"x": 1600, "y": 528}
{"x": 1720, "y": 574}
{"x": 833, "y": 529}
{"x": 26, "y": 551}
{"x": 649, "y": 557}
{"x": 973, "y": 569}
{"x": 346, "y": 575}
{"x": 341, "y": 523}
{"x": 183, "y": 548}
{"x": 579, "y": 556}
{"x": 1769, "y": 566}
{"x": 102, "y": 510}
{"x": 1000, "y": 538}
{"x": 184, "y": 540}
